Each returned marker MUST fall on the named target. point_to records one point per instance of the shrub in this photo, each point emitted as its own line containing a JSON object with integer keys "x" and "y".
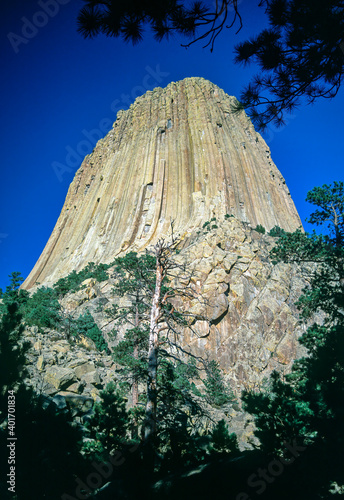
{"x": 42, "y": 308}
{"x": 85, "y": 325}
{"x": 217, "y": 392}
{"x": 72, "y": 282}
{"x": 276, "y": 232}
{"x": 260, "y": 229}
{"x": 222, "y": 441}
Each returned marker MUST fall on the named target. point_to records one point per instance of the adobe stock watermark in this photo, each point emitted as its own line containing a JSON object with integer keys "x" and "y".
{"x": 3, "y": 236}
{"x": 76, "y": 154}
{"x": 260, "y": 480}
{"x": 30, "y": 27}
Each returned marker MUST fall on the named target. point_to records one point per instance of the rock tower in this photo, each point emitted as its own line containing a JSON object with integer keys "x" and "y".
{"x": 178, "y": 153}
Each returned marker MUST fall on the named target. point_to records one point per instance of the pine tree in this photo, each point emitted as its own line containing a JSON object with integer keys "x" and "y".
{"x": 307, "y": 405}
{"x": 217, "y": 392}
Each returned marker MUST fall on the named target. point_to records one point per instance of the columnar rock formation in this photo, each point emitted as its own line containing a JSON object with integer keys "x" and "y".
{"x": 178, "y": 153}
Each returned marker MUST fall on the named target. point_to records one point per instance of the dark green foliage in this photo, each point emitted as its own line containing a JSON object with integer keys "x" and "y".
{"x": 260, "y": 229}
{"x": 307, "y": 404}
{"x": 135, "y": 279}
{"x": 330, "y": 202}
{"x": 85, "y": 325}
{"x": 47, "y": 450}
{"x": 128, "y": 20}
{"x": 217, "y": 393}
{"x": 42, "y": 309}
{"x": 208, "y": 224}
{"x": 228, "y": 216}
{"x": 13, "y": 292}
{"x": 12, "y": 348}
{"x": 72, "y": 282}
{"x": 179, "y": 415}
{"x": 276, "y": 232}
{"x": 133, "y": 272}
{"x": 108, "y": 425}
{"x": 300, "y": 56}
{"x": 131, "y": 354}
{"x": 222, "y": 441}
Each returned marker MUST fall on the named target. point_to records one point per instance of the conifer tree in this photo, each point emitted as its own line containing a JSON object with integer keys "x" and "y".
{"x": 150, "y": 350}
{"x": 307, "y": 405}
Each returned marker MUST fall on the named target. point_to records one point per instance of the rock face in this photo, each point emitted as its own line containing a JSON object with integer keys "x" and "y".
{"x": 248, "y": 321}
{"x": 178, "y": 154}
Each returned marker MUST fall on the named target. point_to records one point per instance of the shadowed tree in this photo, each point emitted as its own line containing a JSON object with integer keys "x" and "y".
{"x": 300, "y": 54}
{"x": 165, "y": 18}
{"x": 46, "y": 444}
{"x": 306, "y": 406}
{"x": 155, "y": 285}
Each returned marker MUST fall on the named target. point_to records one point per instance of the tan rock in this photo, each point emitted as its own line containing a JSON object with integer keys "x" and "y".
{"x": 59, "y": 377}
{"x": 91, "y": 378}
{"x": 83, "y": 369}
{"x": 216, "y": 277}
{"x": 40, "y": 363}
{"x": 166, "y": 158}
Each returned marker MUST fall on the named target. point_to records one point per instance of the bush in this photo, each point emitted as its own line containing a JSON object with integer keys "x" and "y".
{"x": 42, "y": 308}
{"x": 217, "y": 392}
{"x": 85, "y": 325}
{"x": 72, "y": 282}
{"x": 276, "y": 232}
{"x": 108, "y": 424}
{"x": 260, "y": 229}
{"x": 222, "y": 441}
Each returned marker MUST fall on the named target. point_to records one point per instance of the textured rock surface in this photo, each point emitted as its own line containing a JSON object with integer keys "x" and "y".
{"x": 246, "y": 305}
{"x": 57, "y": 368}
{"x": 178, "y": 153}
{"x": 249, "y": 322}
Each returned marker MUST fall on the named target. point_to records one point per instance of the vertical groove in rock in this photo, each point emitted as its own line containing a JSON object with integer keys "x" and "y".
{"x": 177, "y": 153}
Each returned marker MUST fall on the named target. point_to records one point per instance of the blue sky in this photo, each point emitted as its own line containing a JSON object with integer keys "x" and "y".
{"x": 59, "y": 92}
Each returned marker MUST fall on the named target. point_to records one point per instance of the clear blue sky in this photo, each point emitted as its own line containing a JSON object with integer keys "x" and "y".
{"x": 56, "y": 88}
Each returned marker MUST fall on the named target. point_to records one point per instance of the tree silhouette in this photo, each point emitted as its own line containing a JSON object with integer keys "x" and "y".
{"x": 300, "y": 54}
{"x": 306, "y": 405}
{"x": 128, "y": 19}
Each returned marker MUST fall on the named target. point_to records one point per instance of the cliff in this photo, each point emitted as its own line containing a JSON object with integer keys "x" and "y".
{"x": 179, "y": 154}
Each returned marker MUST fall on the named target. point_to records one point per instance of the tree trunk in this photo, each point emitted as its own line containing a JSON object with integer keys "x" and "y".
{"x": 151, "y": 406}
{"x": 135, "y": 387}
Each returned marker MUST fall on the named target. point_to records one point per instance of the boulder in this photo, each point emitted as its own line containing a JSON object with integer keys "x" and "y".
{"x": 59, "y": 377}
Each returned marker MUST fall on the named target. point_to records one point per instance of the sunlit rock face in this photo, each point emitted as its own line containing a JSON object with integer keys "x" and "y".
{"x": 177, "y": 154}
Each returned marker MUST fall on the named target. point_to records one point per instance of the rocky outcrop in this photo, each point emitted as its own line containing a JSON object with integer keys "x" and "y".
{"x": 178, "y": 153}
{"x": 75, "y": 372}
{"x": 243, "y": 314}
